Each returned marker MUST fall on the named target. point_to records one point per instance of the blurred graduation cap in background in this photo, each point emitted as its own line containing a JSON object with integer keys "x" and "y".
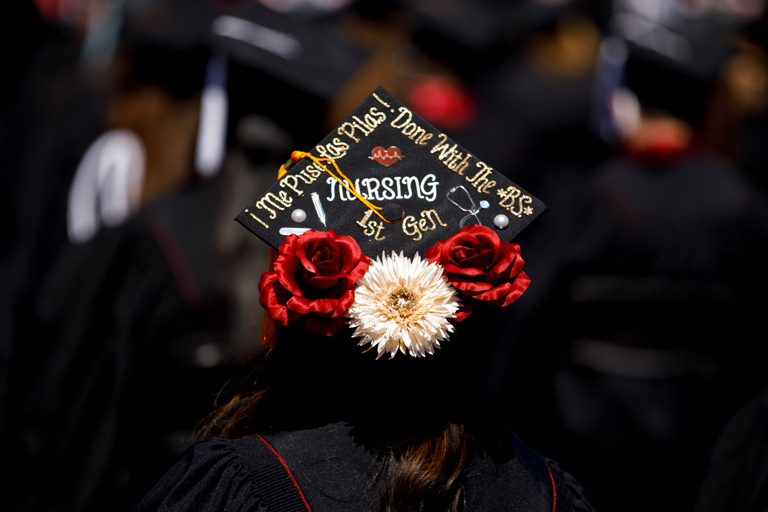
{"x": 157, "y": 271}
{"x": 242, "y": 57}
{"x": 252, "y": 58}
{"x": 667, "y": 54}
{"x": 470, "y": 35}
{"x": 283, "y": 45}
{"x": 674, "y": 67}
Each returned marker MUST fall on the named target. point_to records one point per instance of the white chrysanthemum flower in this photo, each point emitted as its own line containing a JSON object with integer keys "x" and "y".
{"x": 403, "y": 304}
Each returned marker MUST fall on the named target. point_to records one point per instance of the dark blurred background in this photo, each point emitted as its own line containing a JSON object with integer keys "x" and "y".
{"x": 133, "y": 131}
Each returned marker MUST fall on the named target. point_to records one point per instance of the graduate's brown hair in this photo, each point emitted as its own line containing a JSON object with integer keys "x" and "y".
{"x": 421, "y": 437}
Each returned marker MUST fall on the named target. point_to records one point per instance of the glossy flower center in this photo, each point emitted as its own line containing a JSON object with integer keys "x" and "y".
{"x": 402, "y": 301}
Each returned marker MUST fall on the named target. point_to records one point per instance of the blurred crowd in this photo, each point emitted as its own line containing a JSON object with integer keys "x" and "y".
{"x": 132, "y": 132}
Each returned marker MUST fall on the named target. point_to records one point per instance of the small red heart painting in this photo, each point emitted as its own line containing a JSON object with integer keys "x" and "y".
{"x": 386, "y": 156}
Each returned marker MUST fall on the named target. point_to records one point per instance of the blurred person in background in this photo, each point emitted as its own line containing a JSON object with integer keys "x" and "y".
{"x": 656, "y": 266}
{"x": 123, "y": 281}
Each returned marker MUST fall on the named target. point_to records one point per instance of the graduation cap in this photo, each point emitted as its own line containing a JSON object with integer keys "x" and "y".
{"x": 391, "y": 181}
{"x": 469, "y": 34}
{"x": 284, "y": 46}
{"x": 244, "y": 57}
{"x": 673, "y": 64}
{"x": 393, "y": 185}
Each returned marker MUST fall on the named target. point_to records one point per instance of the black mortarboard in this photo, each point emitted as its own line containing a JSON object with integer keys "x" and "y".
{"x": 304, "y": 53}
{"x": 673, "y": 66}
{"x": 468, "y": 34}
{"x": 261, "y": 60}
{"x": 426, "y": 186}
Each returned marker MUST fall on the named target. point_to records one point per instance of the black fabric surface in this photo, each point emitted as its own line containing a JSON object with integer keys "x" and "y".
{"x": 304, "y": 53}
{"x": 338, "y": 473}
{"x": 663, "y": 261}
{"x": 100, "y": 387}
{"x": 737, "y": 477}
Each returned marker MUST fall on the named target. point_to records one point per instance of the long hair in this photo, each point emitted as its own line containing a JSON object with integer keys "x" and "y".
{"x": 429, "y": 474}
{"x": 423, "y": 441}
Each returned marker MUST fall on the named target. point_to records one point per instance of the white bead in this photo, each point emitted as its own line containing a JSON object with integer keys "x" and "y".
{"x": 298, "y": 215}
{"x": 501, "y": 221}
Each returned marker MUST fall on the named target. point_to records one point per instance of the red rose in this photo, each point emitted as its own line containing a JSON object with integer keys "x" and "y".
{"x": 313, "y": 280}
{"x": 481, "y": 267}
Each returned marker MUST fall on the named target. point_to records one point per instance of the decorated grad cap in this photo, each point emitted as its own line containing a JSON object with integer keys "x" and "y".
{"x": 423, "y": 186}
{"x": 390, "y": 183}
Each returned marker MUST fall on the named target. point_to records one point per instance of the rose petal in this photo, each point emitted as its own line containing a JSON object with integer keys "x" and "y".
{"x": 481, "y": 260}
{"x": 285, "y": 265}
{"x": 359, "y": 270}
{"x": 506, "y": 264}
{"x": 507, "y": 292}
{"x": 345, "y": 302}
{"x": 323, "y": 258}
{"x": 469, "y": 286}
{"x": 349, "y": 251}
{"x": 519, "y": 286}
{"x": 273, "y": 297}
{"x": 486, "y": 236}
{"x": 433, "y": 254}
{"x": 496, "y": 295}
{"x": 467, "y": 306}
{"x": 321, "y": 282}
{"x": 327, "y": 326}
{"x": 332, "y": 259}
{"x": 304, "y": 305}
{"x": 452, "y": 268}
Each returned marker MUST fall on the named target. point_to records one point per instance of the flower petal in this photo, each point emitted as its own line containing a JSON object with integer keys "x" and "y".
{"x": 420, "y": 317}
{"x": 274, "y": 298}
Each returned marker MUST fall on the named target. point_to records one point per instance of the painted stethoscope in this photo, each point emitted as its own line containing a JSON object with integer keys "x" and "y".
{"x": 473, "y": 210}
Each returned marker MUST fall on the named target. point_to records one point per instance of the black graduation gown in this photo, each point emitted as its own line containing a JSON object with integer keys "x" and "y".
{"x": 737, "y": 475}
{"x": 328, "y": 469}
{"x": 108, "y": 342}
